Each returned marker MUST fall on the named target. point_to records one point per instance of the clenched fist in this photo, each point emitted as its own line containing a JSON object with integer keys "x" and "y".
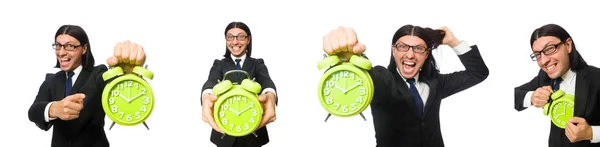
{"x": 67, "y": 108}
{"x": 540, "y": 96}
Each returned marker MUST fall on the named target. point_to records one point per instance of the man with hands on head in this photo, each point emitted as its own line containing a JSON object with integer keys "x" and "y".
{"x": 408, "y": 93}
{"x": 237, "y": 56}
{"x": 70, "y": 100}
{"x": 562, "y": 67}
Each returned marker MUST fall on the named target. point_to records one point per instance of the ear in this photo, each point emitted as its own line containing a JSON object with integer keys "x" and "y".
{"x": 85, "y": 47}
{"x": 569, "y": 43}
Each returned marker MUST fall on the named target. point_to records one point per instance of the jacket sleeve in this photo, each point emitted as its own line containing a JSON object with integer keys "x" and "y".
{"x": 36, "y": 110}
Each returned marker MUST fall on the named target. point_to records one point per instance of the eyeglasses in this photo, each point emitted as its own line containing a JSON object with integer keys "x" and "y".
{"x": 549, "y": 50}
{"x": 240, "y": 37}
{"x": 68, "y": 47}
{"x": 401, "y": 47}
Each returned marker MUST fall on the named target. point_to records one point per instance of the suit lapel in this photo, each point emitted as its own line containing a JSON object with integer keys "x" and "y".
{"x": 432, "y": 94}
{"x": 404, "y": 92}
{"x": 581, "y": 93}
{"x": 59, "y": 83}
{"x": 81, "y": 79}
{"x": 247, "y": 63}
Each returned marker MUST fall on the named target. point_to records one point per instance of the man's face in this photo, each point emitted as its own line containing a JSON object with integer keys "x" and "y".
{"x": 552, "y": 55}
{"x": 410, "y": 53}
{"x": 237, "y": 40}
{"x": 69, "y": 52}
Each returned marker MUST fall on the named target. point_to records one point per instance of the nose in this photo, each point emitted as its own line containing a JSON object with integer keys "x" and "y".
{"x": 410, "y": 53}
{"x": 544, "y": 59}
{"x": 61, "y": 51}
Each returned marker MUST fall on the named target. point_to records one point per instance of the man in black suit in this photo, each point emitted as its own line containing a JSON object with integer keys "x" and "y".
{"x": 70, "y": 100}
{"x": 407, "y": 96}
{"x": 562, "y": 67}
{"x": 237, "y": 56}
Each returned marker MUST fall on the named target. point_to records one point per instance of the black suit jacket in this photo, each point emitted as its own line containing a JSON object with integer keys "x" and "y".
{"x": 394, "y": 109}
{"x": 88, "y": 129}
{"x": 257, "y": 69}
{"x": 587, "y": 104}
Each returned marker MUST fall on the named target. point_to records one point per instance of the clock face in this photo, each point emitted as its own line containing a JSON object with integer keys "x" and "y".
{"x": 562, "y": 111}
{"x": 128, "y": 102}
{"x": 345, "y": 92}
{"x": 238, "y": 115}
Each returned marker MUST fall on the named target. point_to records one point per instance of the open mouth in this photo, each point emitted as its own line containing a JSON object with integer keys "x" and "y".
{"x": 65, "y": 62}
{"x": 408, "y": 66}
{"x": 551, "y": 67}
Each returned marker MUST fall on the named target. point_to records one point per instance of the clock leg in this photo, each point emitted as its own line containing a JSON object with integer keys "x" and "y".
{"x": 222, "y": 135}
{"x": 363, "y": 116}
{"x": 111, "y": 125}
{"x": 328, "y": 115}
{"x": 255, "y": 135}
{"x": 147, "y": 128}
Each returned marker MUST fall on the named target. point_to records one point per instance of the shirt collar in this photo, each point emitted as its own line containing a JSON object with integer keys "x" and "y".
{"x": 416, "y": 76}
{"x": 568, "y": 76}
{"x": 76, "y": 72}
{"x": 243, "y": 57}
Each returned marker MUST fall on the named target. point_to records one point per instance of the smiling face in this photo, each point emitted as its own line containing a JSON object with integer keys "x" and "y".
{"x": 237, "y": 41}
{"x": 69, "y": 60}
{"x": 408, "y": 62}
{"x": 556, "y": 63}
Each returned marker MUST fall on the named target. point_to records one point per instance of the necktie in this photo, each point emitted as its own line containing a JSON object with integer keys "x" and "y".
{"x": 417, "y": 97}
{"x": 556, "y": 83}
{"x": 237, "y": 66}
{"x": 69, "y": 83}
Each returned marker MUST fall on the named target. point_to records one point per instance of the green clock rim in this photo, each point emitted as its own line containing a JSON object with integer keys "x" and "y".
{"x": 144, "y": 72}
{"x": 352, "y": 68}
{"x": 110, "y": 73}
{"x": 546, "y": 109}
{"x": 105, "y": 98}
{"x": 360, "y": 62}
{"x": 557, "y": 94}
{"x": 237, "y": 90}
{"x": 328, "y": 61}
{"x": 568, "y": 99}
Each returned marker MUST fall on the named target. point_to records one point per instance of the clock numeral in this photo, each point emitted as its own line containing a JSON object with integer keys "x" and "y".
{"x": 329, "y": 101}
{"x": 337, "y": 106}
{"x": 246, "y": 126}
{"x": 143, "y": 90}
{"x": 251, "y": 120}
{"x": 245, "y": 100}
{"x": 128, "y": 117}
{"x": 114, "y": 93}
{"x": 254, "y": 112}
{"x": 143, "y": 108}
{"x": 359, "y": 99}
{"x": 221, "y": 114}
{"x": 137, "y": 115}
{"x": 238, "y": 98}
{"x": 326, "y": 91}
{"x": 225, "y": 107}
{"x": 230, "y": 101}
{"x": 344, "y": 74}
{"x": 129, "y": 83}
{"x": 137, "y": 86}
{"x": 360, "y": 81}
{"x": 251, "y": 104}
{"x": 362, "y": 91}
{"x": 111, "y": 101}
{"x": 146, "y": 100}
{"x": 120, "y": 87}
{"x": 344, "y": 108}
{"x": 122, "y": 114}
{"x": 353, "y": 106}
{"x": 329, "y": 84}
{"x": 231, "y": 126}
{"x": 238, "y": 128}
{"x": 224, "y": 121}
{"x": 114, "y": 109}
{"x": 336, "y": 77}
{"x": 353, "y": 77}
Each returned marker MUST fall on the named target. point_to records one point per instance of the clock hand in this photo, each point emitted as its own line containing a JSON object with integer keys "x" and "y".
{"x": 343, "y": 91}
{"x": 251, "y": 106}
{"x": 126, "y": 99}
{"x": 236, "y": 113}
{"x": 138, "y": 96}
{"x": 354, "y": 86}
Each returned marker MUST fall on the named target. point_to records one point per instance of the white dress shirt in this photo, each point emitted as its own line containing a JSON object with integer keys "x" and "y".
{"x": 422, "y": 87}
{"x": 268, "y": 89}
{"x": 568, "y": 86}
{"x": 73, "y": 79}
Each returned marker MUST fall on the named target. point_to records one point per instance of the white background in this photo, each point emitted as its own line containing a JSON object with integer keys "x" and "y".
{"x": 183, "y": 38}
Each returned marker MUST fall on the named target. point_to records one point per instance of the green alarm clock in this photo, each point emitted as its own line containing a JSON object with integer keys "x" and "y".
{"x": 128, "y": 100}
{"x": 561, "y": 108}
{"x": 346, "y": 88}
{"x": 237, "y": 110}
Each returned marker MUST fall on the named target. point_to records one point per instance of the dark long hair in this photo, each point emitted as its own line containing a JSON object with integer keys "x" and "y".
{"x": 432, "y": 38}
{"x": 78, "y": 33}
{"x": 244, "y": 27}
{"x": 575, "y": 60}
